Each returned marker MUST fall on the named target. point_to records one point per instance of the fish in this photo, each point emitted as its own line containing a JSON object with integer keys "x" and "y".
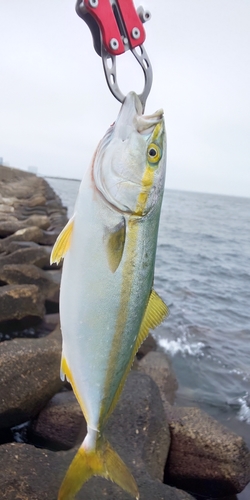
{"x": 107, "y": 301}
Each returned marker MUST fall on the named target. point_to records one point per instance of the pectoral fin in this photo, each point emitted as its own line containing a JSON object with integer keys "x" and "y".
{"x": 115, "y": 241}
{"x": 62, "y": 243}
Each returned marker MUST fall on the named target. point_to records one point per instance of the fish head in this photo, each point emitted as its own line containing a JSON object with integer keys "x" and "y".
{"x": 130, "y": 161}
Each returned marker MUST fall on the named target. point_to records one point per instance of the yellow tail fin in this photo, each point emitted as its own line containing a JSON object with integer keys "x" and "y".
{"x": 102, "y": 461}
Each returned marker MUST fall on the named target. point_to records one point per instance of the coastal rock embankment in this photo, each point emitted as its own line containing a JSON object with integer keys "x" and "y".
{"x": 31, "y": 217}
{"x": 168, "y": 449}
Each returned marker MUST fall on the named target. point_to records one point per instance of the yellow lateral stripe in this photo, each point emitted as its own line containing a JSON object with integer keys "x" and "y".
{"x": 127, "y": 283}
{"x": 155, "y": 313}
{"x": 147, "y": 182}
{"x": 62, "y": 243}
{"x": 157, "y": 132}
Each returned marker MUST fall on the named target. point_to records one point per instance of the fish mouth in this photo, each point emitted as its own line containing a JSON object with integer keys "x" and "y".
{"x": 131, "y": 118}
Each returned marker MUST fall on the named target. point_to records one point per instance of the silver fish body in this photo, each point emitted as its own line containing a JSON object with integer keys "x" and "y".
{"x": 106, "y": 301}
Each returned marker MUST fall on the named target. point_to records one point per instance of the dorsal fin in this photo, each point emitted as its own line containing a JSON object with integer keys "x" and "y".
{"x": 62, "y": 243}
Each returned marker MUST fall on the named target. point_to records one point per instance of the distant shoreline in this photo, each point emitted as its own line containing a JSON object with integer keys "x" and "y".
{"x": 166, "y": 188}
{"x": 63, "y": 178}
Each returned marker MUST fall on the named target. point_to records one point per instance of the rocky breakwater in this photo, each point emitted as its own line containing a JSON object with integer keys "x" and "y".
{"x": 163, "y": 445}
{"x": 31, "y": 217}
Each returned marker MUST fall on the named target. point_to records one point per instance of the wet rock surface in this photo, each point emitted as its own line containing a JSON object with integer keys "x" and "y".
{"x": 136, "y": 429}
{"x": 148, "y": 345}
{"x": 60, "y": 425}
{"x": 36, "y": 255}
{"x": 205, "y": 456}
{"x": 29, "y": 374}
{"x": 21, "y": 301}
{"x": 158, "y": 367}
{"x": 31, "y": 217}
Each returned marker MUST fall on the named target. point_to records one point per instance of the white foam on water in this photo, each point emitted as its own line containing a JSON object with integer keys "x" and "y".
{"x": 244, "y": 375}
{"x": 181, "y": 345}
{"x": 244, "y": 412}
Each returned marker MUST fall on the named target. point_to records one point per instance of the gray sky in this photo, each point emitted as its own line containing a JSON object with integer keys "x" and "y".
{"x": 55, "y": 105}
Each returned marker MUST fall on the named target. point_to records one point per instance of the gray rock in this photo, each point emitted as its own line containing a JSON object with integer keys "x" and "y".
{"x": 19, "y": 245}
{"x": 143, "y": 424}
{"x": 148, "y": 345}
{"x": 28, "y": 200}
{"x": 204, "y": 455}
{"x": 51, "y": 320}
{"x": 37, "y": 200}
{"x": 21, "y": 301}
{"x": 47, "y": 281}
{"x": 49, "y": 237}
{"x": 39, "y": 256}
{"x": 158, "y": 367}
{"x": 32, "y": 233}
{"x": 29, "y": 374}
{"x": 137, "y": 430}
{"x": 12, "y": 226}
{"x": 60, "y": 424}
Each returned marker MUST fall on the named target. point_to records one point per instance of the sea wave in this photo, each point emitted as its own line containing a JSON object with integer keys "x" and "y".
{"x": 181, "y": 345}
{"x": 244, "y": 411}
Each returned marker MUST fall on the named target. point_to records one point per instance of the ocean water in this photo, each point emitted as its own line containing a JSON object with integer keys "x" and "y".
{"x": 203, "y": 273}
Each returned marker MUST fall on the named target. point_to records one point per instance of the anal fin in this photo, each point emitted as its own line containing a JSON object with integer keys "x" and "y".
{"x": 65, "y": 372}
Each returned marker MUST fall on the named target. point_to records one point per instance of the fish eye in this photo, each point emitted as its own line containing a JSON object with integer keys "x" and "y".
{"x": 154, "y": 153}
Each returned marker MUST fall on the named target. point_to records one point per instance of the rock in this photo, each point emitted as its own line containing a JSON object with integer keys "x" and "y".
{"x": 39, "y": 256}
{"x": 19, "y": 245}
{"x": 51, "y": 320}
{"x": 6, "y": 209}
{"x": 138, "y": 432}
{"x": 29, "y": 374}
{"x": 205, "y": 456}
{"x": 46, "y": 326}
{"x": 60, "y": 425}
{"x": 47, "y": 281}
{"x": 12, "y": 226}
{"x": 26, "y": 199}
{"x": 12, "y": 175}
{"x": 148, "y": 345}
{"x": 158, "y": 367}
{"x": 144, "y": 425}
{"x": 32, "y": 233}
{"x": 21, "y": 301}
{"x": 37, "y": 200}
{"x": 49, "y": 237}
